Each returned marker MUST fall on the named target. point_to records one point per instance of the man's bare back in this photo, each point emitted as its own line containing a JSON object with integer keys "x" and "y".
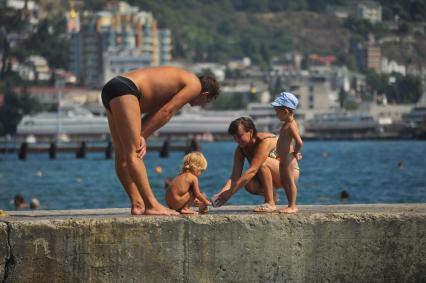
{"x": 158, "y": 85}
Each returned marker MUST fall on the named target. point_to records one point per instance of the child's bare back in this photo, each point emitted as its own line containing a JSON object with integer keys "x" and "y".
{"x": 180, "y": 190}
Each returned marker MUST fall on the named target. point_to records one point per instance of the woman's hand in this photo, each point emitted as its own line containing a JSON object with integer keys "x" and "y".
{"x": 223, "y": 197}
{"x": 141, "y": 151}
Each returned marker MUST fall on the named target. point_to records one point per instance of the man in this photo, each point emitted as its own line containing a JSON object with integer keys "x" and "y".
{"x": 159, "y": 92}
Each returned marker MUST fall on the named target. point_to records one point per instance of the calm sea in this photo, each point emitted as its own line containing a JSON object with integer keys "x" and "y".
{"x": 368, "y": 170}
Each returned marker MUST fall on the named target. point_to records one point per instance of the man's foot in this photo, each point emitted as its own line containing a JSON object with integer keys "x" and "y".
{"x": 137, "y": 210}
{"x": 160, "y": 210}
{"x": 187, "y": 211}
{"x": 289, "y": 210}
{"x": 266, "y": 207}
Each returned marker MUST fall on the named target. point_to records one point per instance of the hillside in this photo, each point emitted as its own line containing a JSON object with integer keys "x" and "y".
{"x": 224, "y": 29}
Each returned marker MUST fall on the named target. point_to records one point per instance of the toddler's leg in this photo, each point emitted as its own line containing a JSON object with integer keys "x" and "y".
{"x": 186, "y": 206}
{"x": 289, "y": 176}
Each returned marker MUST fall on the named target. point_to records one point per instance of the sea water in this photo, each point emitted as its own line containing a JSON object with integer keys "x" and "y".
{"x": 369, "y": 171}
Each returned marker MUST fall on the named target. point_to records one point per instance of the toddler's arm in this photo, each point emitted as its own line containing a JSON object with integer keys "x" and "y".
{"x": 298, "y": 140}
{"x": 197, "y": 192}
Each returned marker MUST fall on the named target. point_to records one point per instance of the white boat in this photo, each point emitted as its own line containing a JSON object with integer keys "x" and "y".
{"x": 415, "y": 122}
{"x": 200, "y": 122}
{"x": 341, "y": 122}
{"x": 415, "y": 118}
{"x": 71, "y": 121}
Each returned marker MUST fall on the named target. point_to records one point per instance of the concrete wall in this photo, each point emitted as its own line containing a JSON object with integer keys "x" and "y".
{"x": 351, "y": 243}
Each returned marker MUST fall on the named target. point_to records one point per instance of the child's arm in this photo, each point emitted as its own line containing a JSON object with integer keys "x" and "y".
{"x": 298, "y": 140}
{"x": 197, "y": 193}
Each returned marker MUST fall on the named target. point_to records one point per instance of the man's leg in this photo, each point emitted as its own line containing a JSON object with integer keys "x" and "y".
{"x": 136, "y": 201}
{"x": 126, "y": 116}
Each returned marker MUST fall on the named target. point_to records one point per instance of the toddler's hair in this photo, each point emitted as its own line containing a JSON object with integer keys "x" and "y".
{"x": 194, "y": 161}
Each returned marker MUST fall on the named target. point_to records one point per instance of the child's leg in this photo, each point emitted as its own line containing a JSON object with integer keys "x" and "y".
{"x": 186, "y": 207}
{"x": 289, "y": 176}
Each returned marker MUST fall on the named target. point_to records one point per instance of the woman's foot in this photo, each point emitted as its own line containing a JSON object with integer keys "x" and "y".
{"x": 266, "y": 207}
{"x": 289, "y": 210}
{"x": 188, "y": 211}
{"x": 160, "y": 210}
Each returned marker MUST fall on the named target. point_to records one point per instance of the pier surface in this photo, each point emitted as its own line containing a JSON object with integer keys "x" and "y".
{"x": 333, "y": 243}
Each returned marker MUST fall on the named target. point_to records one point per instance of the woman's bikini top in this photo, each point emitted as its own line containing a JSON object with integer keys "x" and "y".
{"x": 272, "y": 154}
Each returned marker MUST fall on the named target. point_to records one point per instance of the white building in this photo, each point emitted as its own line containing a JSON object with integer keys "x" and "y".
{"x": 390, "y": 66}
{"x": 118, "y": 61}
{"x": 370, "y": 11}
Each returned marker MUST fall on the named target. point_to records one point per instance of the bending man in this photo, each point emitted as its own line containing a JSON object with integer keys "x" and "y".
{"x": 158, "y": 92}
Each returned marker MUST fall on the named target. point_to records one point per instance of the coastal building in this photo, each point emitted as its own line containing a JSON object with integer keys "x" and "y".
{"x": 35, "y": 68}
{"x": 218, "y": 70}
{"x": 314, "y": 89}
{"x": 367, "y": 56}
{"x": 373, "y": 56}
{"x": 369, "y": 10}
{"x": 388, "y": 66}
{"x": 49, "y": 96}
{"x": 366, "y": 10}
{"x": 121, "y": 35}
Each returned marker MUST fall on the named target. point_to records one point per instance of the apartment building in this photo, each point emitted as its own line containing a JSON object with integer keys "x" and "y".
{"x": 117, "y": 40}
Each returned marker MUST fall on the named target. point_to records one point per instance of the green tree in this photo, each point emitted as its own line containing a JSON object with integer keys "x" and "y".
{"x": 12, "y": 23}
{"x": 14, "y": 107}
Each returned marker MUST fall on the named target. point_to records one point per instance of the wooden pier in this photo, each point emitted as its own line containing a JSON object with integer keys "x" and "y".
{"x": 82, "y": 148}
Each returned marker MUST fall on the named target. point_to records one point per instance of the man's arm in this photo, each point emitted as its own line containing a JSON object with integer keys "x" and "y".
{"x": 156, "y": 120}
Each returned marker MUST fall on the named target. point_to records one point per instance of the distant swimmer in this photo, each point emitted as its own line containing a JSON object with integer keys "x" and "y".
{"x": 401, "y": 165}
{"x": 19, "y": 202}
{"x": 344, "y": 195}
{"x": 35, "y": 203}
{"x": 158, "y": 93}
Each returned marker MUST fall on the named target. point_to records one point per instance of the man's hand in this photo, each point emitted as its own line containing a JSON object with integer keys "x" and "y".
{"x": 141, "y": 151}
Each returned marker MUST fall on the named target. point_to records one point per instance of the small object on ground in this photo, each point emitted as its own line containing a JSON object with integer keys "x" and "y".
{"x": 203, "y": 209}
{"x": 3, "y": 213}
{"x": 214, "y": 200}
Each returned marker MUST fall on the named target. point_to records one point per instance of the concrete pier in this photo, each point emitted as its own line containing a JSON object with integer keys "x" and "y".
{"x": 339, "y": 243}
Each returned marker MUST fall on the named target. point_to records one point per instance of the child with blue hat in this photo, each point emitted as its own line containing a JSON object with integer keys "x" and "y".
{"x": 289, "y": 147}
{"x": 286, "y": 99}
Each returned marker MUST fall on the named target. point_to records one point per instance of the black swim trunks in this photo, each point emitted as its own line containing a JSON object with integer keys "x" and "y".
{"x": 118, "y": 86}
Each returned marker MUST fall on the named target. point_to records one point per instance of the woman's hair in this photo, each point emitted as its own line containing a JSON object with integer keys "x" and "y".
{"x": 246, "y": 122}
{"x": 194, "y": 161}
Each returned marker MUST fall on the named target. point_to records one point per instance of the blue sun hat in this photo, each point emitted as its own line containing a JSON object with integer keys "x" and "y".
{"x": 286, "y": 99}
